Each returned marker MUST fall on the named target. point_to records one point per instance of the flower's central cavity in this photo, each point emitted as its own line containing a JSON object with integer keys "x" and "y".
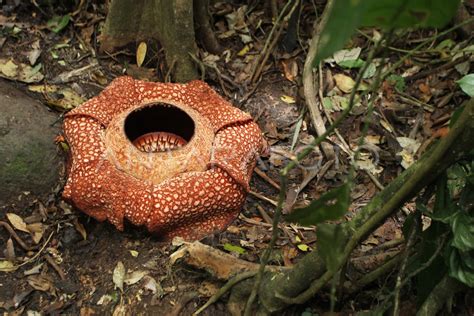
{"x": 159, "y": 127}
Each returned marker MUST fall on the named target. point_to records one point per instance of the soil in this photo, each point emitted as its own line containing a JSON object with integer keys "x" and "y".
{"x": 69, "y": 267}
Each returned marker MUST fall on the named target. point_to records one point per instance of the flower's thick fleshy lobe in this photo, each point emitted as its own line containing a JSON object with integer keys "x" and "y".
{"x": 109, "y": 178}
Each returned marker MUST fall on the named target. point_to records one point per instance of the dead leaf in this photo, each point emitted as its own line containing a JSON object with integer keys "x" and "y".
{"x": 105, "y": 299}
{"x": 141, "y": 53}
{"x": 287, "y": 99}
{"x": 344, "y": 83}
{"x": 35, "y": 53}
{"x": 208, "y": 289}
{"x": 63, "y": 98}
{"x": 41, "y": 283}
{"x": 19, "y": 71}
{"x": 87, "y": 311}
{"x": 244, "y": 50}
{"x": 7, "y": 266}
{"x": 290, "y": 69}
{"x": 35, "y": 270}
{"x": 17, "y": 222}
{"x": 10, "y": 251}
{"x": 36, "y": 231}
{"x": 410, "y": 147}
{"x": 152, "y": 285}
{"x": 347, "y": 54}
{"x": 119, "y": 275}
{"x": 134, "y": 277}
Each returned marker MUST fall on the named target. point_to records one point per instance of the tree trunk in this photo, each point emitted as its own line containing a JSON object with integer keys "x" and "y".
{"x": 169, "y": 22}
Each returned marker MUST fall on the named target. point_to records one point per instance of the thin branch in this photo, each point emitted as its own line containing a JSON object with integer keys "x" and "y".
{"x": 268, "y": 251}
{"x": 272, "y": 40}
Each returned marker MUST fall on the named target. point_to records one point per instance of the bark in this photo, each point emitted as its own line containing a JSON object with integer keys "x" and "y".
{"x": 204, "y": 29}
{"x": 169, "y": 22}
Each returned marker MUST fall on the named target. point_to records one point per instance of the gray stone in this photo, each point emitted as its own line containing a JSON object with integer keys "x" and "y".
{"x": 29, "y": 159}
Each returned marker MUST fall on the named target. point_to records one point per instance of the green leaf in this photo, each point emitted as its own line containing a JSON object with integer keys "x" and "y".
{"x": 233, "y": 248}
{"x": 461, "y": 266}
{"x": 463, "y": 229}
{"x": 346, "y": 16}
{"x": 447, "y": 43}
{"x": 331, "y": 239}
{"x": 397, "y": 81}
{"x": 327, "y": 103}
{"x": 330, "y": 206}
{"x": 409, "y": 13}
{"x": 370, "y": 71}
{"x": 58, "y": 23}
{"x": 467, "y": 84}
{"x": 333, "y": 36}
{"x": 354, "y": 63}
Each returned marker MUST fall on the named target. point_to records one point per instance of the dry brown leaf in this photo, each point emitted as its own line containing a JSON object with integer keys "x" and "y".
{"x": 141, "y": 53}
{"x": 119, "y": 275}
{"x": 344, "y": 83}
{"x": 290, "y": 69}
{"x": 36, "y": 231}
{"x": 59, "y": 97}
{"x": 10, "y": 251}
{"x": 19, "y": 71}
{"x": 17, "y": 222}
{"x": 40, "y": 283}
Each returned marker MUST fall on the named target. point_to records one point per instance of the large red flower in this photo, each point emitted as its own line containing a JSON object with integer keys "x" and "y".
{"x": 176, "y": 158}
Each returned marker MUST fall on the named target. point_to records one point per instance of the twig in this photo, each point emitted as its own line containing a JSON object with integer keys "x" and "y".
{"x": 55, "y": 266}
{"x": 419, "y": 46}
{"x": 264, "y": 176}
{"x": 268, "y": 251}
{"x": 344, "y": 146}
{"x": 428, "y": 72}
{"x": 247, "y": 95}
{"x": 292, "y": 164}
{"x": 254, "y": 222}
{"x": 390, "y": 244}
{"x": 408, "y": 248}
{"x": 263, "y": 198}
{"x": 37, "y": 254}
{"x": 264, "y": 214}
{"x": 309, "y": 82}
{"x": 15, "y": 236}
{"x": 328, "y": 275}
{"x": 202, "y": 66}
{"x": 272, "y": 40}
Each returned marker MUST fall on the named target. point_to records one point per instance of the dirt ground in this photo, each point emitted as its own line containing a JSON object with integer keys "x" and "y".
{"x": 70, "y": 266}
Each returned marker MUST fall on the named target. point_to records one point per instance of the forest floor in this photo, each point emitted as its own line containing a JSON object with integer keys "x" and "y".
{"x": 71, "y": 270}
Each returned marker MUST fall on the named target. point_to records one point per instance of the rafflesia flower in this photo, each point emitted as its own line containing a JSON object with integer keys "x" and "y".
{"x": 176, "y": 158}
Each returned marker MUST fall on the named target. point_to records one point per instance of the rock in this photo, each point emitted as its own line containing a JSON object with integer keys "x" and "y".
{"x": 29, "y": 159}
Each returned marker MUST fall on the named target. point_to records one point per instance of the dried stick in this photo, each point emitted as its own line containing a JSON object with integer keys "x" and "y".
{"x": 271, "y": 41}
{"x": 309, "y": 82}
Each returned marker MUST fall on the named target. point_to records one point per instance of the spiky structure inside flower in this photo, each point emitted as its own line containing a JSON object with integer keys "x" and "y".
{"x": 176, "y": 158}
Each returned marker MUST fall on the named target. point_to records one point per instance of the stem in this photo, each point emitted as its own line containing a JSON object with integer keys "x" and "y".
{"x": 268, "y": 251}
